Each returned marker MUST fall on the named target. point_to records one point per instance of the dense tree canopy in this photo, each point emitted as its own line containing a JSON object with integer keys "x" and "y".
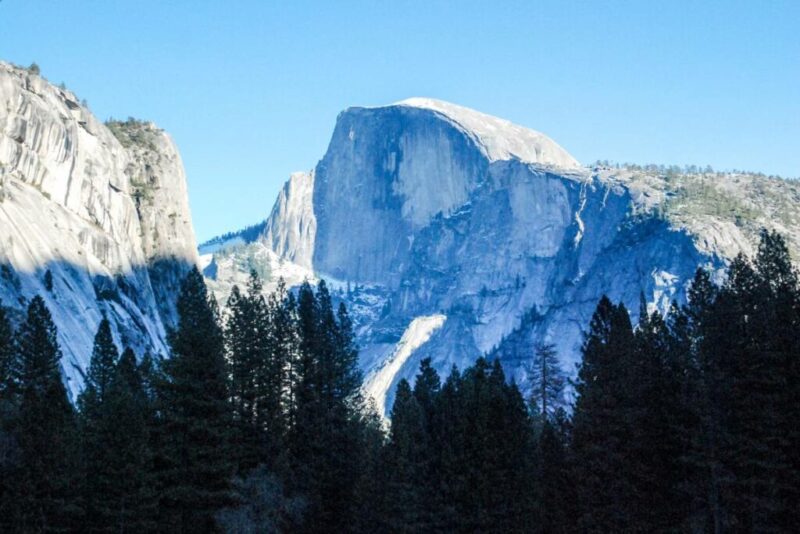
{"x": 688, "y": 421}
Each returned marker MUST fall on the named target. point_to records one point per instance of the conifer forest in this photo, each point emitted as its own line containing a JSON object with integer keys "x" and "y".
{"x": 256, "y": 422}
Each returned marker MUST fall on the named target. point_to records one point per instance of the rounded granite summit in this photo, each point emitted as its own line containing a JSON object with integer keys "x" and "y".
{"x": 499, "y": 139}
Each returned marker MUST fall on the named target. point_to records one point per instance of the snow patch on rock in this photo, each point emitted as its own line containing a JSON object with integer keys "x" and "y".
{"x": 377, "y": 383}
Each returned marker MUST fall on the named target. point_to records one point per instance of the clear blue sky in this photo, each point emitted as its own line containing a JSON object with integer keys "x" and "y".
{"x": 250, "y": 90}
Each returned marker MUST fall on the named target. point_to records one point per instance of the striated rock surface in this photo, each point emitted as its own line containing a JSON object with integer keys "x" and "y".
{"x": 102, "y": 208}
{"x": 453, "y": 234}
{"x": 291, "y": 228}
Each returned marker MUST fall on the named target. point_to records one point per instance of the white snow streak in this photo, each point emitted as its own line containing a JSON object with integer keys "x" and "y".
{"x": 377, "y": 384}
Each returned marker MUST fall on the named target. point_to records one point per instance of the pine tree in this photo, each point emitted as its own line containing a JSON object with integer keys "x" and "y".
{"x": 370, "y": 498}
{"x": 115, "y": 431}
{"x": 762, "y": 338}
{"x": 483, "y": 448}
{"x": 779, "y": 371}
{"x": 554, "y": 488}
{"x": 102, "y": 367}
{"x": 547, "y": 382}
{"x": 259, "y": 343}
{"x": 449, "y": 445}
{"x": 347, "y": 375}
{"x": 97, "y": 429}
{"x": 45, "y": 429}
{"x": 427, "y": 385}
{"x": 705, "y": 394}
{"x": 276, "y": 344}
{"x": 151, "y": 374}
{"x": 407, "y": 456}
{"x": 508, "y": 457}
{"x": 9, "y": 405}
{"x": 285, "y": 346}
{"x": 602, "y": 415}
{"x": 306, "y": 409}
{"x": 246, "y": 337}
{"x": 131, "y": 418}
{"x": 325, "y": 436}
{"x": 235, "y": 333}
{"x": 656, "y": 443}
{"x": 194, "y": 460}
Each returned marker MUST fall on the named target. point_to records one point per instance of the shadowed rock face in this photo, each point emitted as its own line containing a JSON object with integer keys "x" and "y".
{"x": 387, "y": 173}
{"x": 452, "y": 234}
{"x": 103, "y": 208}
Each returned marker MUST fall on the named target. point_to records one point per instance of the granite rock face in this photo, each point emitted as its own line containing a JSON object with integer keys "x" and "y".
{"x": 102, "y": 208}
{"x": 453, "y": 234}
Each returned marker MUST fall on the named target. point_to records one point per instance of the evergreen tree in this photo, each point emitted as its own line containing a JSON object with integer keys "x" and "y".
{"x": 116, "y": 449}
{"x": 346, "y": 374}
{"x": 762, "y": 337}
{"x": 306, "y": 409}
{"x": 508, "y": 457}
{"x": 9, "y": 405}
{"x": 194, "y": 459}
{"x": 247, "y": 342}
{"x": 427, "y": 385}
{"x": 602, "y": 429}
{"x": 327, "y": 421}
{"x": 547, "y": 382}
{"x": 407, "y": 458}
{"x": 45, "y": 429}
{"x": 449, "y": 438}
{"x": 97, "y": 430}
{"x": 370, "y": 501}
{"x": 101, "y": 371}
{"x": 657, "y": 417}
{"x": 152, "y": 377}
{"x": 132, "y": 421}
{"x": 483, "y": 447}
{"x": 780, "y": 385}
{"x": 286, "y": 355}
{"x": 260, "y": 343}
{"x": 705, "y": 394}
{"x": 277, "y": 344}
{"x": 554, "y": 488}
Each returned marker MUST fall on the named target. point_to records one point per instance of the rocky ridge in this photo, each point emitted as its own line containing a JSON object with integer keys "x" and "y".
{"x": 94, "y": 217}
{"x": 459, "y": 234}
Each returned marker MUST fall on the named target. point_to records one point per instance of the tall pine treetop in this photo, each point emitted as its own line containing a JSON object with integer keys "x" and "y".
{"x": 39, "y": 353}
{"x": 774, "y": 263}
{"x": 101, "y": 367}
{"x": 196, "y": 419}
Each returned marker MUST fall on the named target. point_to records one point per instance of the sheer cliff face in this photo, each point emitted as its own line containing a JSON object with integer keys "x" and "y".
{"x": 387, "y": 173}
{"x": 398, "y": 168}
{"x": 457, "y": 235}
{"x": 291, "y": 228}
{"x": 105, "y": 212}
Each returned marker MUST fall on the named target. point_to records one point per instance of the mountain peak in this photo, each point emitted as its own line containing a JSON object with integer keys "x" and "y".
{"x": 499, "y": 139}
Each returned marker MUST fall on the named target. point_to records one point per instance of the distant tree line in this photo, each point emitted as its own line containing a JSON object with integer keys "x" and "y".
{"x": 672, "y": 171}
{"x": 688, "y": 422}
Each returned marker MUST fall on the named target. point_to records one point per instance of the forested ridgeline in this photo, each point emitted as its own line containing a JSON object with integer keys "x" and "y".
{"x": 688, "y": 422}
